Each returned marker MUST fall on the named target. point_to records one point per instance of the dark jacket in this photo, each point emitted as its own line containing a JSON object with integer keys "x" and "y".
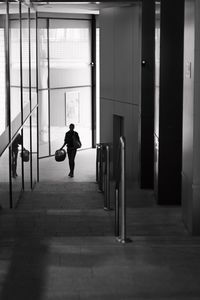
{"x": 69, "y": 138}
{"x": 17, "y": 141}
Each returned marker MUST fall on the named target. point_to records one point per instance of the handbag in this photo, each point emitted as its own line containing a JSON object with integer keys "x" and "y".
{"x": 60, "y": 155}
{"x": 76, "y": 142}
{"x": 25, "y": 155}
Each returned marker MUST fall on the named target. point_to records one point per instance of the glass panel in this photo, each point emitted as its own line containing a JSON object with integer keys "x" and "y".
{"x": 15, "y": 50}
{"x": 4, "y": 180}
{"x": 33, "y": 48}
{"x": 27, "y": 170}
{"x": 2, "y": 68}
{"x": 70, "y": 53}
{"x": 26, "y": 102}
{"x": 157, "y": 66}
{"x": 15, "y": 91}
{"x": 34, "y": 146}
{"x": 70, "y": 106}
{"x": 15, "y": 100}
{"x": 33, "y": 97}
{"x": 42, "y": 54}
{"x": 16, "y": 166}
{"x": 25, "y": 61}
{"x": 43, "y": 123}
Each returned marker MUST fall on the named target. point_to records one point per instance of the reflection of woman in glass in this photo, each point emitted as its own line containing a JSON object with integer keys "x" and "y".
{"x": 14, "y": 149}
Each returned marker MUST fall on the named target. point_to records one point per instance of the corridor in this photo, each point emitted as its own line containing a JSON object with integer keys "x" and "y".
{"x": 59, "y": 244}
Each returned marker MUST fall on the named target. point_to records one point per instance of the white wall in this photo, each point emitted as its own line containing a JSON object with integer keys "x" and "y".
{"x": 120, "y": 77}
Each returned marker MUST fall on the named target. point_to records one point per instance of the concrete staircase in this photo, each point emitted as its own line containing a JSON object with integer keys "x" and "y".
{"x": 59, "y": 244}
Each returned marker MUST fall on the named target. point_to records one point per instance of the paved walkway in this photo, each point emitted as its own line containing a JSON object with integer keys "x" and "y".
{"x": 59, "y": 244}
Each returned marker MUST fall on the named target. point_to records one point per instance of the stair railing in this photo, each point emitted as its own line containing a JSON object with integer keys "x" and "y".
{"x": 120, "y": 194}
{"x": 103, "y": 171}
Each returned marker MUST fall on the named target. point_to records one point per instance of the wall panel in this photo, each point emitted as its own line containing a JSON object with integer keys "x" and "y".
{"x": 120, "y": 56}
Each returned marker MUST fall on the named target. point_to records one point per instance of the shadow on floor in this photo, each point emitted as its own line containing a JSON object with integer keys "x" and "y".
{"x": 24, "y": 278}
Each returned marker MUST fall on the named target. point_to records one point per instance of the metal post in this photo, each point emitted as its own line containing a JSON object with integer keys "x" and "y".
{"x": 117, "y": 212}
{"x": 101, "y": 169}
{"x": 122, "y": 238}
{"x": 105, "y": 186}
{"x": 97, "y": 163}
{"x": 107, "y": 177}
{"x": 123, "y": 192}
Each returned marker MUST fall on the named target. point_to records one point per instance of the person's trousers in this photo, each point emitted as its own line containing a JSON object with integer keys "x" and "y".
{"x": 14, "y": 162}
{"x": 71, "y": 156}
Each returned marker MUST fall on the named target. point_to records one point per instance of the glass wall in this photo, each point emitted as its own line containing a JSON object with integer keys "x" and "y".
{"x": 34, "y": 148}
{"x": 16, "y": 167}
{"x": 33, "y": 81}
{"x": 70, "y": 80}
{"x": 43, "y": 88}
{"x": 26, "y": 145}
{"x": 25, "y": 61}
{"x": 4, "y": 180}
{"x": 4, "y": 129}
{"x": 15, "y": 75}
{"x": 64, "y": 82}
{"x": 18, "y": 101}
{"x": 3, "y": 121}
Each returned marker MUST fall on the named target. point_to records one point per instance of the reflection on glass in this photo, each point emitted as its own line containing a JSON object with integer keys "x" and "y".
{"x": 27, "y": 170}
{"x": 15, "y": 52}
{"x": 43, "y": 123}
{"x": 33, "y": 98}
{"x": 157, "y": 66}
{"x": 70, "y": 53}
{"x": 33, "y": 49}
{"x": 4, "y": 180}
{"x": 70, "y": 106}
{"x": 42, "y": 54}
{"x": 15, "y": 78}
{"x": 34, "y": 146}
{"x": 26, "y": 103}
{"x": 16, "y": 167}
{"x": 2, "y": 68}
{"x": 25, "y": 61}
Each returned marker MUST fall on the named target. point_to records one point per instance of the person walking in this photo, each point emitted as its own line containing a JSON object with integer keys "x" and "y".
{"x": 14, "y": 150}
{"x": 73, "y": 142}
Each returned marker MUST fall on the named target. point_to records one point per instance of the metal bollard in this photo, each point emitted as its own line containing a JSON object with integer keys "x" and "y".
{"x": 122, "y": 236}
{"x": 97, "y": 164}
{"x": 123, "y": 196}
{"x": 108, "y": 177}
{"x": 101, "y": 169}
{"x": 117, "y": 213}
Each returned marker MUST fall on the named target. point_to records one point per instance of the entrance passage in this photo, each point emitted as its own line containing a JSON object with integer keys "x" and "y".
{"x": 65, "y": 82}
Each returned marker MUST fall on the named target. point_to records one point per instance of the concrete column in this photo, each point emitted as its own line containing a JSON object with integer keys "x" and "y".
{"x": 146, "y": 140}
{"x": 168, "y": 181}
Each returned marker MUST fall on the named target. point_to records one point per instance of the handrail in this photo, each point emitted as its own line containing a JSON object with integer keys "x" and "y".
{"x": 103, "y": 171}
{"x": 120, "y": 231}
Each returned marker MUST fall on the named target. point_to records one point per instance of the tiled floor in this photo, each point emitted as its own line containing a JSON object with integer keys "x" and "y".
{"x": 59, "y": 244}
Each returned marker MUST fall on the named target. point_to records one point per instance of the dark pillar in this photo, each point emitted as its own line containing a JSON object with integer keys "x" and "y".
{"x": 170, "y": 103}
{"x": 147, "y": 99}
